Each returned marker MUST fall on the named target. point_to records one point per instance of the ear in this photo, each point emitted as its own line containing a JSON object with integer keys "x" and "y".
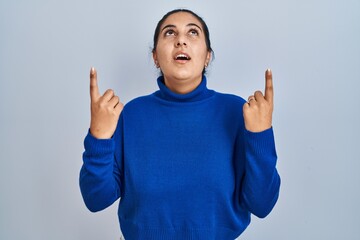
{"x": 155, "y": 58}
{"x": 208, "y": 58}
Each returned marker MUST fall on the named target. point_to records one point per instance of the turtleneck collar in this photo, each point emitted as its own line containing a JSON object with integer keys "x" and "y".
{"x": 201, "y": 92}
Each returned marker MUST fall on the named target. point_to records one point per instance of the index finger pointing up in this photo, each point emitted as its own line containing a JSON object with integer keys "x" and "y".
{"x": 94, "y": 89}
{"x": 269, "y": 90}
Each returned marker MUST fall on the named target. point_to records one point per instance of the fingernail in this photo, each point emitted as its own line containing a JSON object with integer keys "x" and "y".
{"x": 92, "y": 70}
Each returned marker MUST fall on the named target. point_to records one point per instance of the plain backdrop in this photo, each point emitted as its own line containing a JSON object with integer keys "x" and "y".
{"x": 48, "y": 47}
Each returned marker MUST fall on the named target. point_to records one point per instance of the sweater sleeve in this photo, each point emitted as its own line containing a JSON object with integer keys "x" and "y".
{"x": 100, "y": 173}
{"x": 261, "y": 181}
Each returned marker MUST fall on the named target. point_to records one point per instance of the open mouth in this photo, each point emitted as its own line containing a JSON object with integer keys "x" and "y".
{"x": 182, "y": 57}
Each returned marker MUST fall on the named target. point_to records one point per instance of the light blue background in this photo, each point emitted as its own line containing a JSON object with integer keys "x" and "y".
{"x": 48, "y": 47}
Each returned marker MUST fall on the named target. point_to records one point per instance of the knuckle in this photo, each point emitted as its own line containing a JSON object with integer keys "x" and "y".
{"x": 269, "y": 87}
{"x": 255, "y": 107}
{"x": 110, "y": 91}
{"x": 109, "y": 107}
{"x": 102, "y": 104}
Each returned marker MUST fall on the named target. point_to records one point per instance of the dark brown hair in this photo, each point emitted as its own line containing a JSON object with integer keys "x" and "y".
{"x": 204, "y": 26}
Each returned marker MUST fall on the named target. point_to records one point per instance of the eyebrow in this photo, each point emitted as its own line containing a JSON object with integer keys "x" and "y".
{"x": 173, "y": 26}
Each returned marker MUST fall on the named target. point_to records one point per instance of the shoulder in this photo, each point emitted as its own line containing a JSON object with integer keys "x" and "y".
{"x": 229, "y": 99}
{"x": 140, "y": 100}
{"x": 229, "y": 105}
{"x": 139, "y": 103}
{"x": 142, "y": 107}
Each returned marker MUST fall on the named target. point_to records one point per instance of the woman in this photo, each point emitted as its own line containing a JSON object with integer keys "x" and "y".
{"x": 186, "y": 162}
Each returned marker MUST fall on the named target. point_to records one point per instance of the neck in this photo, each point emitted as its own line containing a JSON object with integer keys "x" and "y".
{"x": 182, "y": 86}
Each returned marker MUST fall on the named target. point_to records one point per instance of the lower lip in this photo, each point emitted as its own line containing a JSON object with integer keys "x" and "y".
{"x": 182, "y": 61}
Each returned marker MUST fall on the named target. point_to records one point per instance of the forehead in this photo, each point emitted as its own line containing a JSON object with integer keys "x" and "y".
{"x": 181, "y": 19}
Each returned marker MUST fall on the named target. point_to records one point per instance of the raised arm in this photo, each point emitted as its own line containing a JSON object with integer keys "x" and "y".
{"x": 100, "y": 175}
{"x": 261, "y": 183}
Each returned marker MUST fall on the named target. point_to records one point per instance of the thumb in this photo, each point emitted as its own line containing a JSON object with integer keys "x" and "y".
{"x": 94, "y": 89}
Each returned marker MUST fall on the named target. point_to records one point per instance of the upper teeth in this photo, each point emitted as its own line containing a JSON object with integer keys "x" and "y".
{"x": 182, "y": 55}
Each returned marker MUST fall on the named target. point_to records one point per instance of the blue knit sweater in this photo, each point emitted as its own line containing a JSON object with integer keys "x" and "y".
{"x": 184, "y": 167}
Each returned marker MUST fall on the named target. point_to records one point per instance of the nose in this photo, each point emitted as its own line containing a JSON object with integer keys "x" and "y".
{"x": 180, "y": 41}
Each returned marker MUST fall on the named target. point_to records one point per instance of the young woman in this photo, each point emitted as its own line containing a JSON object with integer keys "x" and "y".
{"x": 186, "y": 162}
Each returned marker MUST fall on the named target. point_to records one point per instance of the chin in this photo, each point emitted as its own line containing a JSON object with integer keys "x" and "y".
{"x": 185, "y": 75}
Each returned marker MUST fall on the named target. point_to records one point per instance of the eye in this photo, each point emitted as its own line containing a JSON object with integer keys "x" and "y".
{"x": 169, "y": 32}
{"x": 193, "y": 32}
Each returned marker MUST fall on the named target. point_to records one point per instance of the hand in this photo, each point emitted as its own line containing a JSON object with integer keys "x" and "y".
{"x": 105, "y": 110}
{"x": 259, "y": 108}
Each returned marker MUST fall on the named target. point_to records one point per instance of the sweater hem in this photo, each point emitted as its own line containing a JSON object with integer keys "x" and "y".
{"x": 134, "y": 231}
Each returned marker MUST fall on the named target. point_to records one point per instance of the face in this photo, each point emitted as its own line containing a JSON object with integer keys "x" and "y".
{"x": 181, "y": 51}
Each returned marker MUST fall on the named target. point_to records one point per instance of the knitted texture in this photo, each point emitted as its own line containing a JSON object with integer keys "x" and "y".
{"x": 184, "y": 167}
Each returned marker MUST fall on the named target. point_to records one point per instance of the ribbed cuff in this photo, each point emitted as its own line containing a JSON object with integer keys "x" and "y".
{"x": 261, "y": 142}
{"x": 94, "y": 146}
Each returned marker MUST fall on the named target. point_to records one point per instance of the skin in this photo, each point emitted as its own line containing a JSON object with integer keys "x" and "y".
{"x": 105, "y": 109}
{"x": 181, "y": 33}
{"x": 259, "y": 108}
